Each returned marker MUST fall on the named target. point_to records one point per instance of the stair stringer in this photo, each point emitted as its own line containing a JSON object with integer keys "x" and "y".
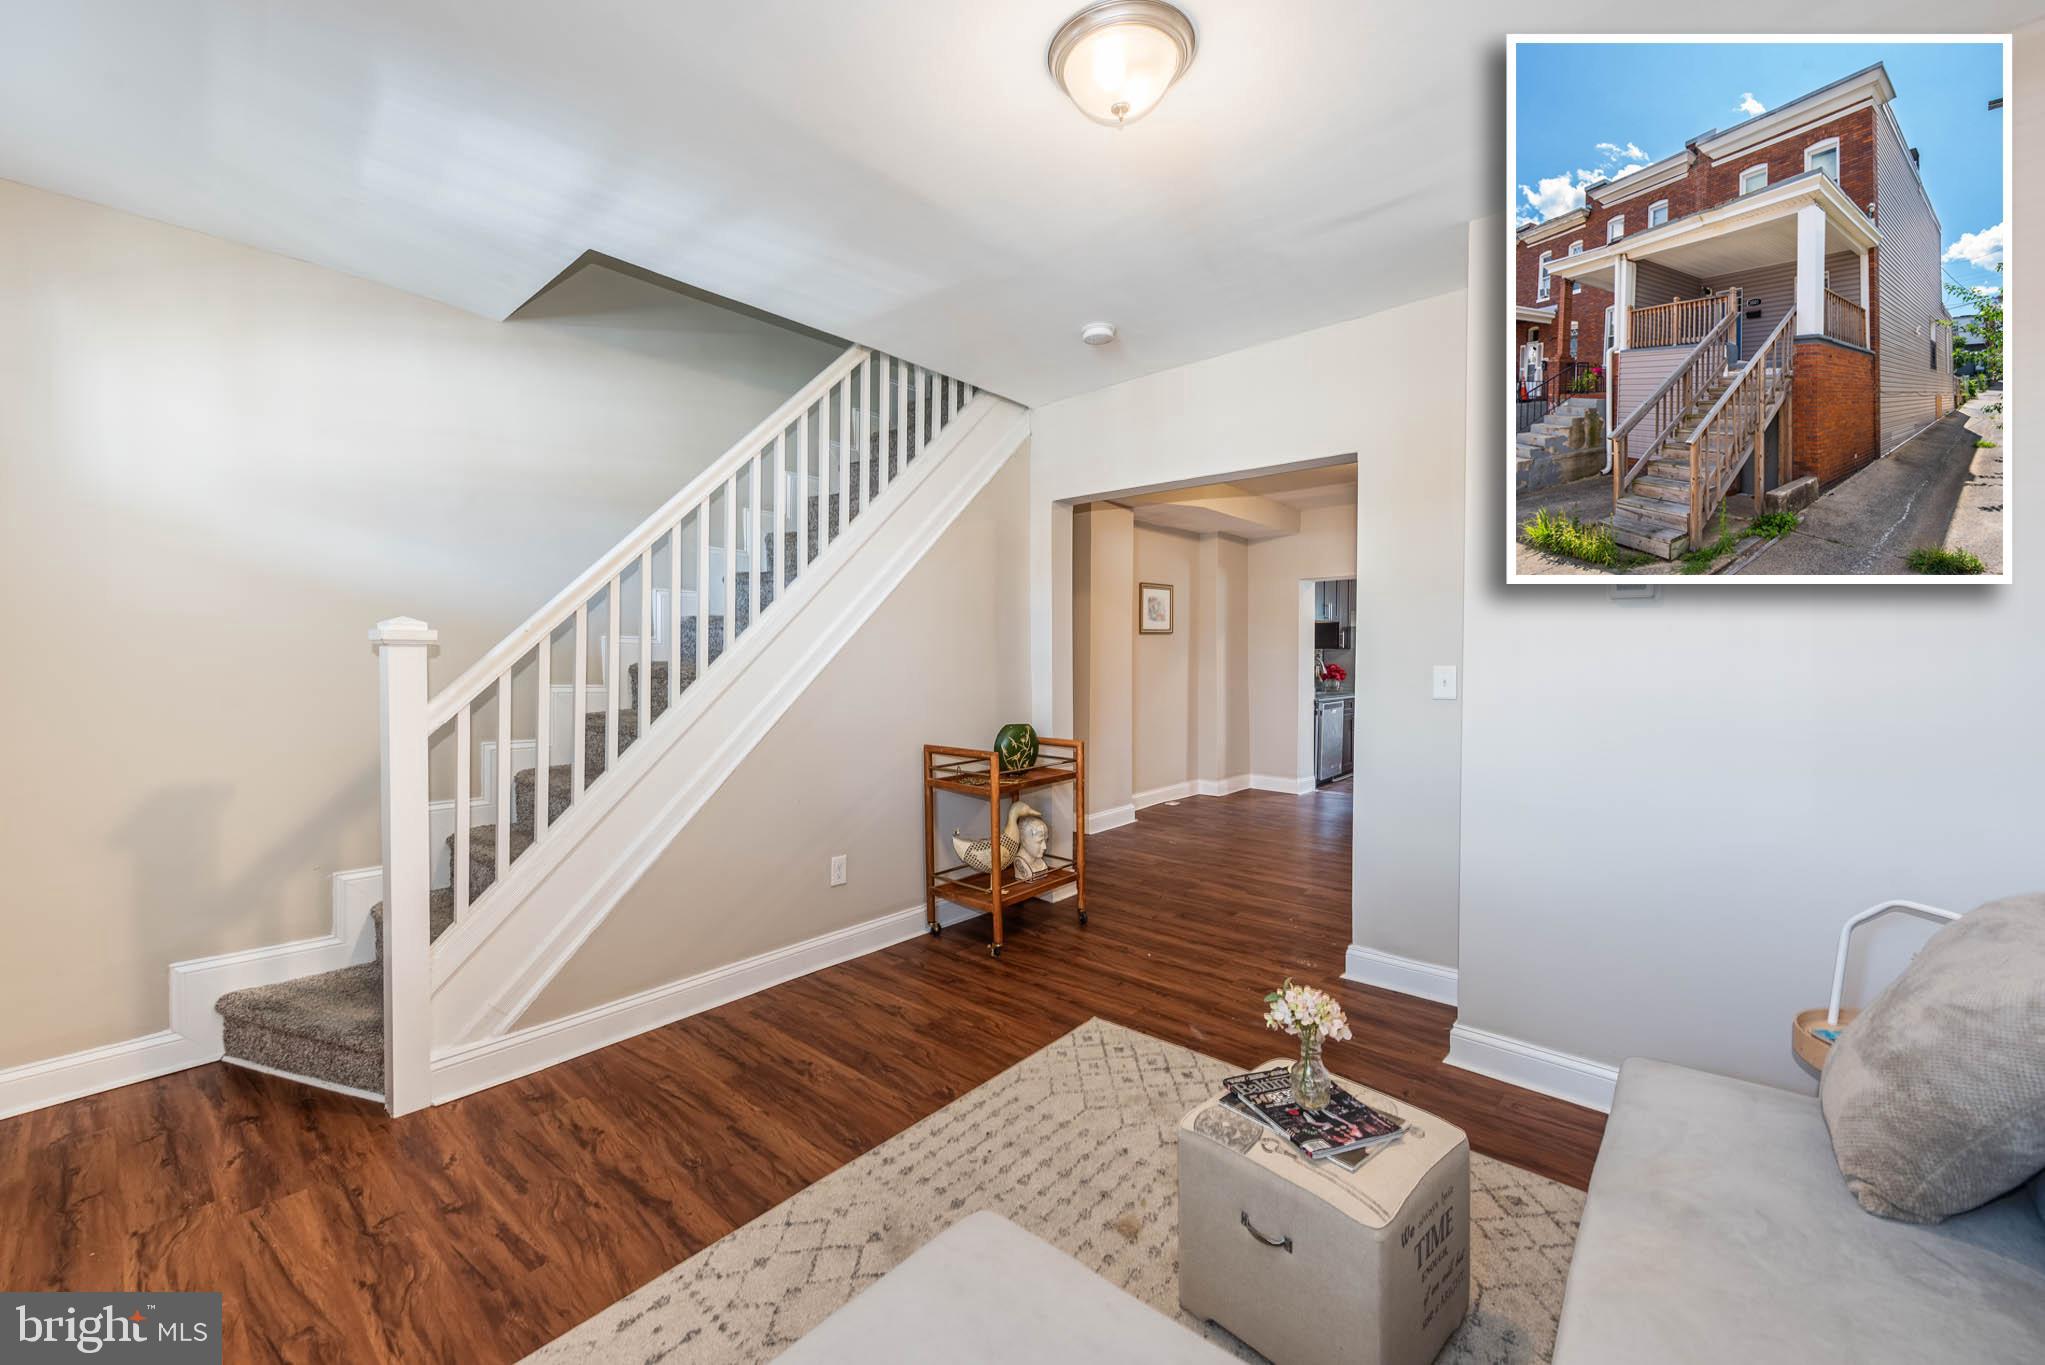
{"x": 495, "y": 961}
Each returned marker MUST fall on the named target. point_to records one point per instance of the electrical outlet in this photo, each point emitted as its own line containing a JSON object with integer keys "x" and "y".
{"x": 1444, "y": 682}
{"x": 838, "y": 870}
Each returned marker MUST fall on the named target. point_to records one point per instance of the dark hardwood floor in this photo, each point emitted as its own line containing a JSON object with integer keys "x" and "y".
{"x": 478, "y": 1230}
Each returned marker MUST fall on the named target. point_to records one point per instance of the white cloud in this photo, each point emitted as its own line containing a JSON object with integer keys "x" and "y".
{"x": 1614, "y": 152}
{"x": 1750, "y": 106}
{"x": 1980, "y": 249}
{"x": 1555, "y": 194}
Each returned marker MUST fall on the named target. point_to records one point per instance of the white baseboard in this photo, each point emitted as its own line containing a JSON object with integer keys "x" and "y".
{"x": 1177, "y": 791}
{"x": 1406, "y": 975}
{"x": 196, "y": 984}
{"x": 1563, "y": 1075}
{"x": 1222, "y": 786}
{"x": 467, "y": 1068}
{"x": 36, "y": 1085}
{"x": 1290, "y": 786}
{"x": 1114, "y": 817}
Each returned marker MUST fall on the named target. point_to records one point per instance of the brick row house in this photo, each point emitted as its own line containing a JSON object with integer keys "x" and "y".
{"x": 1766, "y": 305}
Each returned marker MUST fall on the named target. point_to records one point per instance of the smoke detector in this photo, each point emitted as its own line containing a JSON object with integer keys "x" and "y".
{"x": 1097, "y": 333}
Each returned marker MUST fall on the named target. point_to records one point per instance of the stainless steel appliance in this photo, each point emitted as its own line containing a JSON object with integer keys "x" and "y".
{"x": 1334, "y": 737}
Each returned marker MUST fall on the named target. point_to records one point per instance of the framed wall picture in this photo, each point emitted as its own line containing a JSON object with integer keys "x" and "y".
{"x": 1154, "y": 608}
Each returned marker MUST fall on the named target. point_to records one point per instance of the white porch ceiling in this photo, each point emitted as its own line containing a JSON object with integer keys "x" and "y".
{"x": 901, "y": 172}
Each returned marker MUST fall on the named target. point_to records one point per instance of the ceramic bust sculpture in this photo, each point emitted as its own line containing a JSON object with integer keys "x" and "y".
{"x": 976, "y": 853}
{"x": 1033, "y": 839}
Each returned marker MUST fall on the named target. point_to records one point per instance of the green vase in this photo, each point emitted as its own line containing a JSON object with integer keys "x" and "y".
{"x": 1017, "y": 746}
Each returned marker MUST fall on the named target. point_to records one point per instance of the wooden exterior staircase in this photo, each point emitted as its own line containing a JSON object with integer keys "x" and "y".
{"x": 1677, "y": 455}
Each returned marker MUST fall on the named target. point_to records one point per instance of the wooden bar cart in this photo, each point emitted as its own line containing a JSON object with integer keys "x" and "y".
{"x": 977, "y": 773}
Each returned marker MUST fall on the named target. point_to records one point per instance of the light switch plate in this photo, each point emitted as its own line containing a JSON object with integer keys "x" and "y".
{"x": 838, "y": 870}
{"x": 1444, "y": 682}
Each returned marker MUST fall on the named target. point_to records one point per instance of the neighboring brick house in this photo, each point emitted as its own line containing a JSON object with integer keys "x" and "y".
{"x": 1805, "y": 233}
{"x": 1546, "y": 335}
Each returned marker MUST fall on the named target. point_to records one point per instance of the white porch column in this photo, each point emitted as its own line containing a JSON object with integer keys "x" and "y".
{"x": 1867, "y": 312}
{"x": 402, "y": 645}
{"x": 1810, "y": 271}
{"x": 1622, "y": 302}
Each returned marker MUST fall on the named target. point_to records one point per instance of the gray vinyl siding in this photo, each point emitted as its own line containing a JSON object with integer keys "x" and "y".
{"x": 1641, "y": 373}
{"x": 1774, "y": 287}
{"x": 1909, "y": 265}
{"x": 1655, "y": 283}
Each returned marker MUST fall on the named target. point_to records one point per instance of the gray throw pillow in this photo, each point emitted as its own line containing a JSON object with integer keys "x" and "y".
{"x": 1935, "y": 1095}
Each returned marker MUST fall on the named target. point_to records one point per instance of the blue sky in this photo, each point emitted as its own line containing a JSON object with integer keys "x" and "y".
{"x": 1581, "y": 114}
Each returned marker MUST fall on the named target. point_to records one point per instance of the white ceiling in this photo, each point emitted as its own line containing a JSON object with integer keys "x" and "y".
{"x": 901, "y": 172}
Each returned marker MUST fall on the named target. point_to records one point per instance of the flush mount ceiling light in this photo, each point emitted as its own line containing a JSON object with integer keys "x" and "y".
{"x": 1097, "y": 333}
{"x": 1116, "y": 60}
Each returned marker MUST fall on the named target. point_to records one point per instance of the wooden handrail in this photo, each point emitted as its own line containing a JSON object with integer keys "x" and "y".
{"x": 1680, "y": 322}
{"x": 1669, "y": 401}
{"x": 1845, "y": 320}
{"x": 1733, "y": 425}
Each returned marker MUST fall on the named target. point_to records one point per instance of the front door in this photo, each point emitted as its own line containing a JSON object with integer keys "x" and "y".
{"x": 1531, "y": 362}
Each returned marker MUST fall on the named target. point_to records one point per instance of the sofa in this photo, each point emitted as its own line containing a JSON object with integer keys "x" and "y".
{"x": 1718, "y": 1228}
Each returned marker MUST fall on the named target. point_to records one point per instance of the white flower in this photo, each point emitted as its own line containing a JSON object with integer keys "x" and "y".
{"x": 1296, "y": 1009}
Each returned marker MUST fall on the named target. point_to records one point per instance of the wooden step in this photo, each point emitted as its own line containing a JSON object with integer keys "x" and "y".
{"x": 1661, "y": 487}
{"x": 1648, "y": 537}
{"x": 1676, "y": 514}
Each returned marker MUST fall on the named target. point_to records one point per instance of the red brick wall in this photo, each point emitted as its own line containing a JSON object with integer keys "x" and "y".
{"x": 1833, "y": 410}
{"x": 1587, "y": 307}
{"x": 1715, "y": 182}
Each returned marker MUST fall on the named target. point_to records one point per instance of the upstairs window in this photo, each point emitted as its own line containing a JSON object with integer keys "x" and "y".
{"x": 1823, "y": 156}
{"x": 1576, "y": 249}
{"x": 1615, "y": 229}
{"x": 1754, "y": 178}
{"x": 1541, "y": 290}
{"x": 1658, "y": 213}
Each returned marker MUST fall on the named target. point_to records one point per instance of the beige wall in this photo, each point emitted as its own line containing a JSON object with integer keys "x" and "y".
{"x": 1110, "y": 538}
{"x": 940, "y": 662}
{"x": 1165, "y": 702}
{"x": 1281, "y": 643}
{"x": 218, "y": 468}
{"x": 1222, "y": 660}
{"x": 1191, "y": 425}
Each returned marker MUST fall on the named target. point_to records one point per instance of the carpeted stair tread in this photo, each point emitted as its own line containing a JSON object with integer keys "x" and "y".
{"x": 328, "y": 1026}
{"x": 439, "y": 916}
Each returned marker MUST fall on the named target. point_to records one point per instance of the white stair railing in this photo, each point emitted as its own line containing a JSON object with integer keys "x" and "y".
{"x": 844, "y": 438}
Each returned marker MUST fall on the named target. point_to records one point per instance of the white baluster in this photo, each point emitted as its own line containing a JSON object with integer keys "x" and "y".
{"x": 731, "y": 562}
{"x": 644, "y": 692}
{"x": 674, "y": 615}
{"x": 753, "y": 541}
{"x": 401, "y": 649}
{"x": 776, "y": 554}
{"x": 543, "y": 737}
{"x": 802, "y": 496}
{"x": 911, "y": 414}
{"x": 926, "y": 417}
{"x": 702, "y": 587}
{"x": 844, "y": 450}
{"x": 884, "y": 406}
{"x": 503, "y": 774}
{"x": 578, "y": 707}
{"x": 462, "y": 798}
{"x": 613, "y": 648}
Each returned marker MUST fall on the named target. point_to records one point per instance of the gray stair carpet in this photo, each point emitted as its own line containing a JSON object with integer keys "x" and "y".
{"x": 329, "y": 1026}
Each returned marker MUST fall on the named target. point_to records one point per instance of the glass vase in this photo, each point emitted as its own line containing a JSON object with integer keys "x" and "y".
{"x": 1312, "y": 1086}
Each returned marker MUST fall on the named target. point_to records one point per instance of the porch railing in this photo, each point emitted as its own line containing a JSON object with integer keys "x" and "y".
{"x": 1845, "y": 320}
{"x": 1637, "y": 437}
{"x": 1731, "y": 432}
{"x": 1682, "y": 323}
{"x": 1532, "y": 402}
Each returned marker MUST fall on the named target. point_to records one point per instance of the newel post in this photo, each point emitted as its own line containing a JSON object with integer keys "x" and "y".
{"x": 402, "y": 646}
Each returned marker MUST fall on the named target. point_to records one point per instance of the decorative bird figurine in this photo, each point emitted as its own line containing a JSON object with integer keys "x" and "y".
{"x": 974, "y": 852}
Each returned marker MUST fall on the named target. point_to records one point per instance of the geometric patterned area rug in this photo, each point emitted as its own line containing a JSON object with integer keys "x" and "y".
{"x": 1075, "y": 1143}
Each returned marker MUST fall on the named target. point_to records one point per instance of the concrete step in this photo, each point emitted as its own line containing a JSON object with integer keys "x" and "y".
{"x": 1539, "y": 439}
